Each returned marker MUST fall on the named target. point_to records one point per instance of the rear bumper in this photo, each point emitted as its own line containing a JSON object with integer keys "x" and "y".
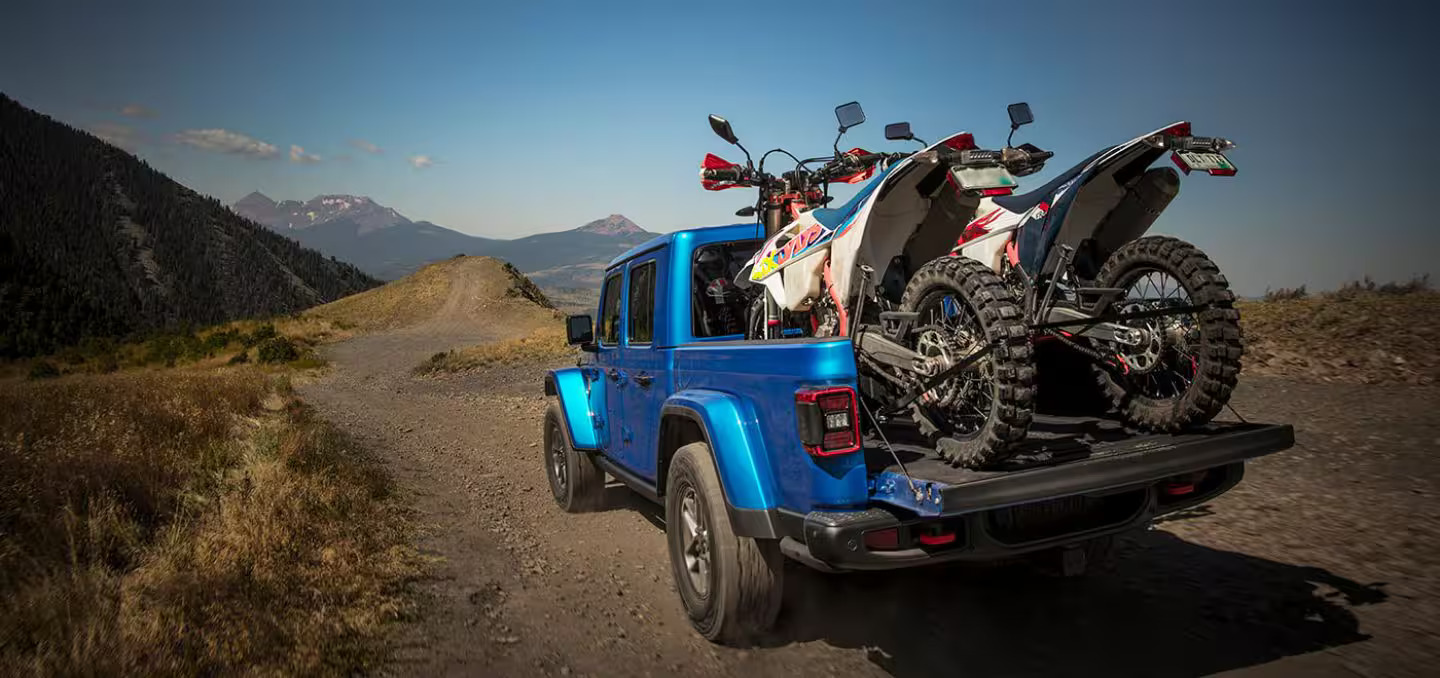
{"x": 835, "y": 541}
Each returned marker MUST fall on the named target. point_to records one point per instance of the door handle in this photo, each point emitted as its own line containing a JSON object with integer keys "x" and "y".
{"x": 616, "y": 376}
{"x": 644, "y": 380}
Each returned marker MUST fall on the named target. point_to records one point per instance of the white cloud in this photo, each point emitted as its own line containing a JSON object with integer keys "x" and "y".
{"x": 366, "y": 146}
{"x": 136, "y": 111}
{"x": 124, "y": 136}
{"x": 225, "y": 141}
{"x": 421, "y": 161}
{"x": 298, "y": 155}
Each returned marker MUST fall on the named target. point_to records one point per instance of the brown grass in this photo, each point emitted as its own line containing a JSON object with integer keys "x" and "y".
{"x": 1353, "y": 335}
{"x": 546, "y": 344}
{"x": 188, "y": 522}
{"x": 400, "y": 303}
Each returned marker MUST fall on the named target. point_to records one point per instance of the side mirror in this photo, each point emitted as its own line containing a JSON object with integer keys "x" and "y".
{"x": 579, "y": 329}
{"x": 849, "y": 115}
{"x": 1020, "y": 115}
{"x": 746, "y": 211}
{"x": 721, "y": 126}
{"x": 898, "y": 131}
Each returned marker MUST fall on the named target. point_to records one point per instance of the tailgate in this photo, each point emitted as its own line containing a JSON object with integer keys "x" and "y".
{"x": 1063, "y": 456}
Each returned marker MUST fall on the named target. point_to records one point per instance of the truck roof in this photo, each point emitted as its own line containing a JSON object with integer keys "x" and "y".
{"x": 701, "y": 236}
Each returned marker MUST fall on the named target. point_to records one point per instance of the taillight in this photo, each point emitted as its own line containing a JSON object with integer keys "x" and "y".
{"x": 997, "y": 191}
{"x": 828, "y": 421}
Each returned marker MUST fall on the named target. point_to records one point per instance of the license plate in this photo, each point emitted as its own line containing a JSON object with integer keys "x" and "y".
{"x": 984, "y": 177}
{"x": 1214, "y": 163}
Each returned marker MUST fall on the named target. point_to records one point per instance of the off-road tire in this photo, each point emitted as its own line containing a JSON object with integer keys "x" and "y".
{"x": 1012, "y": 402}
{"x": 583, "y": 487}
{"x": 746, "y": 574}
{"x": 1221, "y": 343}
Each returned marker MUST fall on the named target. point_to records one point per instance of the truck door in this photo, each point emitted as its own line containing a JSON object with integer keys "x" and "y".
{"x": 645, "y": 388}
{"x": 604, "y": 376}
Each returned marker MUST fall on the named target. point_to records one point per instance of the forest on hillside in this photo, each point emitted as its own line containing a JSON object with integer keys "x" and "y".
{"x": 96, "y": 243}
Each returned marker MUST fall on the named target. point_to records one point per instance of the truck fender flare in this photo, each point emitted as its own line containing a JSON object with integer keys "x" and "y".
{"x": 568, "y": 386}
{"x": 729, "y": 428}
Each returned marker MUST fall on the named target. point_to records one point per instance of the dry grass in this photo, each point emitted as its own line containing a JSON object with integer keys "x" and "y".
{"x": 546, "y": 344}
{"x": 1353, "y": 335}
{"x": 188, "y": 522}
{"x": 400, "y": 303}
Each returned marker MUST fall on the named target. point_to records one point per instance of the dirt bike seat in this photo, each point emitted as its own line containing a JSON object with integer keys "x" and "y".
{"x": 1024, "y": 202}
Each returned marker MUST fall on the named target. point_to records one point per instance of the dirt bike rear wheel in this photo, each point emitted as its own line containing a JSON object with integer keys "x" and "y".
{"x": 1186, "y": 376}
{"x": 980, "y": 418}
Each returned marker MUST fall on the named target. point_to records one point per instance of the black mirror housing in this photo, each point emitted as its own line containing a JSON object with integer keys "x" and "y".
{"x": 1020, "y": 114}
{"x": 849, "y": 115}
{"x": 898, "y": 131}
{"x": 579, "y": 329}
{"x": 746, "y": 211}
{"x": 721, "y": 126}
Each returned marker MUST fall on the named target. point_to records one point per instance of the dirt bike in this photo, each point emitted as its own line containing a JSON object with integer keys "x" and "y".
{"x": 971, "y": 275}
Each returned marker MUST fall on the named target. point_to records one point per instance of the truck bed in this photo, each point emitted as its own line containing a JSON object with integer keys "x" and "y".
{"x": 1062, "y": 456}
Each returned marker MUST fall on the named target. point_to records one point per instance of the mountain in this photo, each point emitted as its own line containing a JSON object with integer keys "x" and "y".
{"x": 94, "y": 242}
{"x": 614, "y": 224}
{"x": 386, "y": 244}
{"x": 360, "y": 210}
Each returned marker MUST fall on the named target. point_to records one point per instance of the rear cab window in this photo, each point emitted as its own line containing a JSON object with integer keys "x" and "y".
{"x": 641, "y": 330}
{"x": 717, "y": 306}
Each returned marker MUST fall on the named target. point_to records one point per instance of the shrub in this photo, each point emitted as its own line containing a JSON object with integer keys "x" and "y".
{"x": 261, "y": 333}
{"x": 276, "y": 350}
{"x": 43, "y": 369}
{"x": 1286, "y": 293}
{"x": 239, "y": 358}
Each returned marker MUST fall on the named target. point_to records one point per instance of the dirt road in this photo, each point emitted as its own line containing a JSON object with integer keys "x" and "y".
{"x": 1323, "y": 562}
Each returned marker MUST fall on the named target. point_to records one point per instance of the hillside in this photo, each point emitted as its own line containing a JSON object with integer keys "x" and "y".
{"x": 388, "y": 245}
{"x": 461, "y": 291}
{"x": 94, "y": 242}
{"x": 1350, "y": 336}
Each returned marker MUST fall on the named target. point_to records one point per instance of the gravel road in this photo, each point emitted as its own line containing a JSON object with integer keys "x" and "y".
{"x": 1322, "y": 562}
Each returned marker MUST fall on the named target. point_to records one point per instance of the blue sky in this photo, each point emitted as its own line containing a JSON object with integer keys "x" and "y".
{"x": 541, "y": 116}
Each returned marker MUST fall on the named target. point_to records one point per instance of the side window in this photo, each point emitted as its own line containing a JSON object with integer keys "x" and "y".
{"x": 610, "y": 311}
{"x": 642, "y": 303}
{"x": 717, "y": 306}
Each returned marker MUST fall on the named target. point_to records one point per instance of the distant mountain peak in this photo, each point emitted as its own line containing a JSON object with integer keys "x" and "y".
{"x": 361, "y": 210}
{"x": 256, "y": 198}
{"x": 615, "y": 224}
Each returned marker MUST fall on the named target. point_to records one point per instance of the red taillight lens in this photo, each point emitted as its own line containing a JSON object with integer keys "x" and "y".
{"x": 1179, "y": 129}
{"x": 960, "y": 142}
{"x": 828, "y": 421}
{"x": 997, "y": 191}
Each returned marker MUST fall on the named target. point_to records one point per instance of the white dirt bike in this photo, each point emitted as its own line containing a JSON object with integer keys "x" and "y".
{"x": 943, "y": 279}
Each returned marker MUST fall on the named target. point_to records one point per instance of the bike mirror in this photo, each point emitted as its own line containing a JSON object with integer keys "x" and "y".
{"x": 849, "y": 115}
{"x": 898, "y": 131}
{"x": 746, "y": 211}
{"x": 1020, "y": 114}
{"x": 722, "y": 129}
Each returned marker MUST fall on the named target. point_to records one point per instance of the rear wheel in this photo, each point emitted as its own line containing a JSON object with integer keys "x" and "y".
{"x": 980, "y": 414}
{"x": 1184, "y": 372}
{"x": 730, "y": 586}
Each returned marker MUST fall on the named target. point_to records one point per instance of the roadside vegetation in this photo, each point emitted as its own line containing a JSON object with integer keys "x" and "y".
{"x": 544, "y": 345}
{"x": 1363, "y": 332}
{"x": 290, "y": 341}
{"x": 191, "y": 522}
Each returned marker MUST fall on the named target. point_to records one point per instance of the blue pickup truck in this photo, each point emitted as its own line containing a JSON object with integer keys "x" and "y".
{"x": 758, "y": 451}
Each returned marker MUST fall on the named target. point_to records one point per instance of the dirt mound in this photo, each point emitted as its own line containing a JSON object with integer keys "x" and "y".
{"x": 458, "y": 291}
{"x": 1357, "y": 337}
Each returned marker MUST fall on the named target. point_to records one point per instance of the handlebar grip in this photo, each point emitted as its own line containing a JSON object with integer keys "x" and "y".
{"x": 1040, "y": 156}
{"x": 725, "y": 174}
